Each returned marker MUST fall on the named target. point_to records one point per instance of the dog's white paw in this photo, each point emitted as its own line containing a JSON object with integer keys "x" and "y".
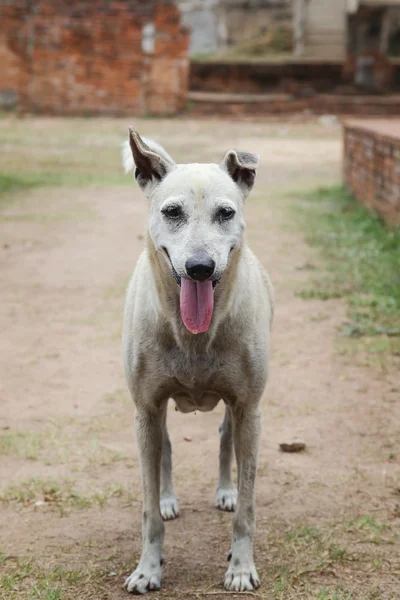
{"x": 169, "y": 508}
{"x": 144, "y": 579}
{"x": 226, "y": 499}
{"x": 241, "y": 577}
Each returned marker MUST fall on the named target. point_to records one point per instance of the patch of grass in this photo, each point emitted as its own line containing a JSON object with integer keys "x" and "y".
{"x": 10, "y": 581}
{"x": 372, "y": 529}
{"x": 45, "y": 591}
{"x": 59, "y": 495}
{"x": 318, "y": 549}
{"x": 325, "y": 594}
{"x": 15, "y": 182}
{"x": 104, "y": 456}
{"x": 32, "y": 581}
{"x": 303, "y": 534}
{"x": 283, "y": 581}
{"x": 11, "y": 183}
{"x": 363, "y": 263}
{"x": 326, "y": 560}
{"x": 338, "y": 554}
{"x": 24, "y": 445}
{"x": 326, "y": 290}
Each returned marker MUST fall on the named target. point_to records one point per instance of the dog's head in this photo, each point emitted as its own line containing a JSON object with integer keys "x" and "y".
{"x": 196, "y": 218}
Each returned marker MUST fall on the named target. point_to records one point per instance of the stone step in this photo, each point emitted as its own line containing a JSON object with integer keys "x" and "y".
{"x": 220, "y": 104}
{"x": 223, "y": 98}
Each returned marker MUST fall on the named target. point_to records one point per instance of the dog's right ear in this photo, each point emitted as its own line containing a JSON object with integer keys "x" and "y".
{"x": 150, "y": 161}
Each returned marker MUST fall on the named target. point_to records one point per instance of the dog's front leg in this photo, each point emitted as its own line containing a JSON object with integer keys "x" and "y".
{"x": 226, "y": 491}
{"x": 242, "y": 574}
{"x": 149, "y": 435}
{"x": 168, "y": 504}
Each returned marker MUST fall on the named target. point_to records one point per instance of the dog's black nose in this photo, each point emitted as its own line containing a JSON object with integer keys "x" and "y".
{"x": 200, "y": 268}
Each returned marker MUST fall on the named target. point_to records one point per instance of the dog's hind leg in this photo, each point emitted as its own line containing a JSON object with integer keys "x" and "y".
{"x": 168, "y": 503}
{"x": 149, "y": 435}
{"x": 226, "y": 492}
{"x": 242, "y": 575}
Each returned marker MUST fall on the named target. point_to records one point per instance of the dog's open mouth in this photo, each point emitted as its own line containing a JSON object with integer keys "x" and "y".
{"x": 196, "y": 304}
{"x": 196, "y": 301}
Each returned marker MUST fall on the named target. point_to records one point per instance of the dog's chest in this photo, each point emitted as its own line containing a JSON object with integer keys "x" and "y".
{"x": 195, "y": 381}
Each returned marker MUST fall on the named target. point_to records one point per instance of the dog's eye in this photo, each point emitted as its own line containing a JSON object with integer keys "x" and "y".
{"x": 172, "y": 212}
{"x": 225, "y": 213}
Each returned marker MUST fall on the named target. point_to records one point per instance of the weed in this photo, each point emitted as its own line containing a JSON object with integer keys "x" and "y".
{"x": 8, "y": 582}
{"x": 303, "y": 534}
{"x": 283, "y": 581}
{"x": 325, "y": 594}
{"x": 16, "y": 182}
{"x": 34, "y": 582}
{"x": 45, "y": 592}
{"x": 338, "y": 554}
{"x": 368, "y": 522}
{"x": 372, "y": 529}
{"x": 60, "y": 495}
{"x": 25, "y": 445}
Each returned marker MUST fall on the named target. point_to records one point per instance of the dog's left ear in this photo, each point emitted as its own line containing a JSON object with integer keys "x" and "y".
{"x": 241, "y": 167}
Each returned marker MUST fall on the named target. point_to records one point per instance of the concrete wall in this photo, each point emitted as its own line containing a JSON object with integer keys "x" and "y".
{"x": 325, "y": 29}
{"x": 93, "y": 56}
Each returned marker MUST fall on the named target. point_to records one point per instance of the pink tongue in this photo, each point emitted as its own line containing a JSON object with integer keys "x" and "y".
{"x": 197, "y": 303}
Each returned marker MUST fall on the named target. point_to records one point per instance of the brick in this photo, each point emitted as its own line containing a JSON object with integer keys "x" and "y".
{"x": 372, "y": 170}
{"x": 85, "y": 56}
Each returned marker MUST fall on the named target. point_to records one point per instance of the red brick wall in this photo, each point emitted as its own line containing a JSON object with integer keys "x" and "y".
{"x": 86, "y": 56}
{"x": 372, "y": 165}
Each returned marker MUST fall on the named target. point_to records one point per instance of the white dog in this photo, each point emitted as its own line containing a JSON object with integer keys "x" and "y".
{"x": 196, "y": 329}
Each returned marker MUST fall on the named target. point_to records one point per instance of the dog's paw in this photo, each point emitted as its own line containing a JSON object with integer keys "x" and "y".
{"x": 226, "y": 499}
{"x": 144, "y": 579}
{"x": 169, "y": 508}
{"x": 241, "y": 578}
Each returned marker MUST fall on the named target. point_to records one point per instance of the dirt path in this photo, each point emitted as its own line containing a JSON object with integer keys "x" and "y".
{"x": 328, "y": 519}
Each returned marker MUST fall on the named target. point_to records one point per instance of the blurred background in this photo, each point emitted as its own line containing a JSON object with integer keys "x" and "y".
{"x": 150, "y": 58}
{"x": 313, "y": 87}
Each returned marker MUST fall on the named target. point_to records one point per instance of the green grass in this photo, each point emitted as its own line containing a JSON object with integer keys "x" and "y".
{"x": 18, "y": 182}
{"x": 11, "y": 183}
{"x": 60, "y": 495}
{"x": 371, "y": 530}
{"x": 45, "y": 591}
{"x": 303, "y": 534}
{"x": 363, "y": 262}
{"x": 24, "y": 445}
{"x": 325, "y": 594}
{"x": 29, "y": 580}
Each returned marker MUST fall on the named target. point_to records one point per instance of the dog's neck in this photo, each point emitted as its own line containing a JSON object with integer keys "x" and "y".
{"x": 168, "y": 293}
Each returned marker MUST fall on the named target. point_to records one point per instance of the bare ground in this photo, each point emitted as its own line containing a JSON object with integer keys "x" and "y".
{"x": 328, "y": 518}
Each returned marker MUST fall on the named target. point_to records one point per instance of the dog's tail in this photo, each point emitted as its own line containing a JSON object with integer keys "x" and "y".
{"x": 127, "y": 158}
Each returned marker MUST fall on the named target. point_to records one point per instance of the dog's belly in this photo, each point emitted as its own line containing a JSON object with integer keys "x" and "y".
{"x": 187, "y": 402}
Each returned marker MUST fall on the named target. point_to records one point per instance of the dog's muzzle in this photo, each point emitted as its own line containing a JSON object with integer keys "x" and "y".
{"x": 177, "y": 277}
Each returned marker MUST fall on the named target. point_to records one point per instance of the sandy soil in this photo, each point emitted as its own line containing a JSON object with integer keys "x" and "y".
{"x": 328, "y": 518}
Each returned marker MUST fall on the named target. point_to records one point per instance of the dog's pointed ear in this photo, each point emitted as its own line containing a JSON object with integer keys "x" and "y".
{"x": 241, "y": 167}
{"x": 151, "y": 164}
